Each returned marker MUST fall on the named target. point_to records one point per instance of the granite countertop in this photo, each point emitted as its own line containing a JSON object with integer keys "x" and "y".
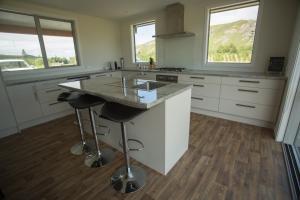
{"x": 52, "y": 77}
{"x": 113, "y": 89}
{"x": 254, "y": 75}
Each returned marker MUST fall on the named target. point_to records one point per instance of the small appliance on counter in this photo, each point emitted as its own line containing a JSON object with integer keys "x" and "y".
{"x": 110, "y": 68}
{"x": 116, "y": 65}
{"x": 151, "y": 63}
{"x": 122, "y": 63}
{"x": 276, "y": 65}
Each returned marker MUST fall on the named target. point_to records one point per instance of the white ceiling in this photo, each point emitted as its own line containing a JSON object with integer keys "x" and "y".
{"x": 112, "y": 9}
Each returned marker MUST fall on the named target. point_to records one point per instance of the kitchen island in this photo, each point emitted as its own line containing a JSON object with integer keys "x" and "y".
{"x": 163, "y": 128}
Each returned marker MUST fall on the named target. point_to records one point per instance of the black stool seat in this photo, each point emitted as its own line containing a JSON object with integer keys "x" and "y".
{"x": 119, "y": 113}
{"x": 85, "y": 101}
{"x": 66, "y": 96}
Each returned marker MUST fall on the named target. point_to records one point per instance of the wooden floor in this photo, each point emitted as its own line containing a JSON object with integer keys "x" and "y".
{"x": 225, "y": 160}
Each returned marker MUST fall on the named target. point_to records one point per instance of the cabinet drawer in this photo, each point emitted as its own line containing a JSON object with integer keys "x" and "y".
{"x": 257, "y": 83}
{"x": 55, "y": 107}
{"x": 207, "y": 90}
{"x": 49, "y": 94}
{"x": 249, "y": 110}
{"x": 205, "y": 103}
{"x": 199, "y": 79}
{"x": 49, "y": 84}
{"x": 268, "y": 97}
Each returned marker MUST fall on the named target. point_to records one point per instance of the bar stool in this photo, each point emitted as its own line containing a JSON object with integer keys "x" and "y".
{"x": 127, "y": 178}
{"x": 86, "y": 101}
{"x": 82, "y": 147}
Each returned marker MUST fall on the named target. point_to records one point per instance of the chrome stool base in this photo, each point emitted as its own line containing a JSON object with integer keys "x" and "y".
{"x": 93, "y": 160}
{"x": 79, "y": 149}
{"x": 125, "y": 184}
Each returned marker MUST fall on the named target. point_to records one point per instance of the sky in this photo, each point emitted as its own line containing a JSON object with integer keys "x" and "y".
{"x": 12, "y": 44}
{"x": 144, "y": 34}
{"x": 234, "y": 15}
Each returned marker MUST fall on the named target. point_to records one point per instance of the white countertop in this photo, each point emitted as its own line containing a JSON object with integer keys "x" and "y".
{"x": 51, "y": 77}
{"x": 112, "y": 89}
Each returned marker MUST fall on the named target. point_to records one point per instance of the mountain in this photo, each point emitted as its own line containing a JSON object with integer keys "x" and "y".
{"x": 146, "y": 50}
{"x": 239, "y": 33}
{"x": 232, "y": 42}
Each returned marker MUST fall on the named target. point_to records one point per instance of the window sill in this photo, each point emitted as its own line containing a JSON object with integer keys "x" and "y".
{"x": 231, "y": 65}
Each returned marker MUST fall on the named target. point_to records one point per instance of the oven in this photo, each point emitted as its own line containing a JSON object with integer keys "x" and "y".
{"x": 167, "y": 78}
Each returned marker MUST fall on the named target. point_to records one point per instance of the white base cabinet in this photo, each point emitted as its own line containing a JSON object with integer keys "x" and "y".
{"x": 8, "y": 124}
{"x": 253, "y": 101}
{"x": 25, "y": 102}
{"x": 247, "y": 100}
{"x": 36, "y": 103}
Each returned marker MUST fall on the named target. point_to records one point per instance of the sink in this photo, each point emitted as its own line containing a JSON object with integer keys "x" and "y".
{"x": 149, "y": 85}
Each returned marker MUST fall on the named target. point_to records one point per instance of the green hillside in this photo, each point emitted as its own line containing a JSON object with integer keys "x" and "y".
{"x": 145, "y": 51}
{"x": 232, "y": 42}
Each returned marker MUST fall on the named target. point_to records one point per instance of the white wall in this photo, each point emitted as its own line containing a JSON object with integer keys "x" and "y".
{"x": 274, "y": 35}
{"x": 98, "y": 39}
{"x": 293, "y": 74}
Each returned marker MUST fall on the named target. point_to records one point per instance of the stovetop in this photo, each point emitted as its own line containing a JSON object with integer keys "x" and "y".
{"x": 172, "y": 69}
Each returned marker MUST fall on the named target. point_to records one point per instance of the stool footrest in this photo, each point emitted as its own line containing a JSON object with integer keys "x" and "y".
{"x": 134, "y": 140}
{"x": 104, "y": 134}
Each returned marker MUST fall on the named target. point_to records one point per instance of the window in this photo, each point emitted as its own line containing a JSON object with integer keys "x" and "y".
{"x": 231, "y": 33}
{"x": 32, "y": 42}
{"x": 59, "y": 42}
{"x": 143, "y": 43}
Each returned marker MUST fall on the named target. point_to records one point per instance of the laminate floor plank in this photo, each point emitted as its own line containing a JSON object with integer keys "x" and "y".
{"x": 225, "y": 161}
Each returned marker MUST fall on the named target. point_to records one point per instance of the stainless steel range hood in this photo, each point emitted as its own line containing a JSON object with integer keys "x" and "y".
{"x": 174, "y": 22}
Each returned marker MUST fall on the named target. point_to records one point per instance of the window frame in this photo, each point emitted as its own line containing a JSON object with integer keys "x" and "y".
{"x": 133, "y": 26}
{"x": 41, "y": 40}
{"x": 226, "y": 7}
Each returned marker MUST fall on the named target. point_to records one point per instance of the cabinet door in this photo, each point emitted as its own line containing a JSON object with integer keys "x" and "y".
{"x": 117, "y": 74}
{"x": 7, "y": 120}
{"x": 25, "y": 102}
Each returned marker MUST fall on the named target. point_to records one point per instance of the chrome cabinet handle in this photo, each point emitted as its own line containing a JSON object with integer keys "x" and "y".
{"x": 198, "y": 85}
{"x": 197, "y": 98}
{"x": 35, "y": 93}
{"x": 54, "y": 90}
{"x": 243, "y": 90}
{"x": 197, "y": 77}
{"x": 247, "y": 81}
{"x": 246, "y": 106}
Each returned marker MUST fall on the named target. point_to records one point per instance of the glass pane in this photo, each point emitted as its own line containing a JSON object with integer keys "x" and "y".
{"x": 59, "y": 42}
{"x": 145, "y": 43}
{"x": 231, "y": 35}
{"x": 19, "y": 43}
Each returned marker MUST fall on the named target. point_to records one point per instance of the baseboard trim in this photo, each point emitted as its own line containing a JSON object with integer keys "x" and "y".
{"x": 8, "y": 132}
{"x": 44, "y": 119}
{"x": 234, "y": 118}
